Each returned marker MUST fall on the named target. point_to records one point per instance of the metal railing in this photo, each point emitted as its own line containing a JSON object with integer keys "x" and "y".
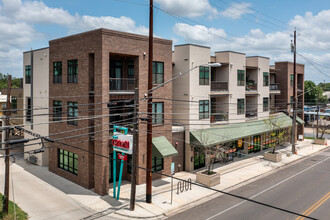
{"x": 219, "y": 86}
{"x": 251, "y": 86}
{"x": 122, "y": 84}
{"x": 273, "y": 86}
{"x": 300, "y": 87}
{"x": 251, "y": 113}
{"x": 215, "y": 117}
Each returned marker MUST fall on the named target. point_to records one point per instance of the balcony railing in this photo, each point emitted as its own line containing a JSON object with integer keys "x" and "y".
{"x": 251, "y": 113}
{"x": 215, "y": 117}
{"x": 122, "y": 84}
{"x": 251, "y": 86}
{"x": 219, "y": 86}
{"x": 300, "y": 87}
{"x": 273, "y": 86}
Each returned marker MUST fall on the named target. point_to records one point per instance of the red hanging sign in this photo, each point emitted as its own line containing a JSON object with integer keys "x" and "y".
{"x": 122, "y": 157}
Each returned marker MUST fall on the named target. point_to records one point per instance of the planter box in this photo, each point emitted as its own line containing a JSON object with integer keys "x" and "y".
{"x": 208, "y": 180}
{"x": 321, "y": 141}
{"x": 277, "y": 157}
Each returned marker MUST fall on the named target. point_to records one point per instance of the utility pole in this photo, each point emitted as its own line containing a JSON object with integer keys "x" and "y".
{"x": 317, "y": 117}
{"x": 149, "y": 125}
{"x": 134, "y": 154}
{"x": 8, "y": 111}
{"x": 294, "y": 100}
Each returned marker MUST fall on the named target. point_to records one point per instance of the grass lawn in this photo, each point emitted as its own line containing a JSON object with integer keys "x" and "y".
{"x": 309, "y": 138}
{"x": 20, "y": 214}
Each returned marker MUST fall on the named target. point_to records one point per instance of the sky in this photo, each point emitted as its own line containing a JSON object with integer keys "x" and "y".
{"x": 254, "y": 27}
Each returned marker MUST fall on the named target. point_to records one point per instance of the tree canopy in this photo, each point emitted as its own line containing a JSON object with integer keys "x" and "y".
{"x": 15, "y": 82}
{"x": 325, "y": 86}
{"x": 312, "y": 91}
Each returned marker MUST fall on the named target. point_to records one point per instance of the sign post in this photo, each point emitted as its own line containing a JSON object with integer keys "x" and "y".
{"x": 121, "y": 142}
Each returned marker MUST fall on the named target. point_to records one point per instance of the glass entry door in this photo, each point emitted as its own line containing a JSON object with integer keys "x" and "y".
{"x": 199, "y": 160}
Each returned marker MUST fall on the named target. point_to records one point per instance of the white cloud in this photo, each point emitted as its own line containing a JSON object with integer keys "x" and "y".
{"x": 189, "y": 8}
{"x": 236, "y": 10}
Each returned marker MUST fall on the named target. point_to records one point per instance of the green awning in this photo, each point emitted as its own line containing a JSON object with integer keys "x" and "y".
{"x": 299, "y": 120}
{"x": 231, "y": 132}
{"x": 162, "y": 147}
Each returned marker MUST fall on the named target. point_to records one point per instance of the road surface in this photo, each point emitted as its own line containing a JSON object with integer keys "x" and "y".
{"x": 303, "y": 187}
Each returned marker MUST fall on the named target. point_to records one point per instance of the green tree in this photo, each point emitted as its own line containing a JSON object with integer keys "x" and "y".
{"x": 325, "y": 86}
{"x": 312, "y": 91}
{"x": 15, "y": 82}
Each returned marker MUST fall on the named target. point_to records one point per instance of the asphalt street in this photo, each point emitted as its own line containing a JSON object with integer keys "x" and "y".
{"x": 303, "y": 187}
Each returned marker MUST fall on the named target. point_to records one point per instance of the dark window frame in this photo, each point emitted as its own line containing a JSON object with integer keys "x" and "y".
{"x": 157, "y": 76}
{"x": 204, "y": 76}
{"x": 203, "y": 113}
{"x": 157, "y": 117}
{"x": 265, "y": 105}
{"x": 130, "y": 72}
{"x": 240, "y": 103}
{"x": 291, "y": 80}
{"x": 57, "y": 110}
{"x": 63, "y": 155}
{"x": 71, "y": 113}
{"x": 157, "y": 164}
{"x": 13, "y": 101}
{"x": 57, "y": 72}
{"x": 28, "y": 74}
{"x": 240, "y": 77}
{"x": 28, "y": 109}
{"x": 266, "y": 79}
{"x": 73, "y": 71}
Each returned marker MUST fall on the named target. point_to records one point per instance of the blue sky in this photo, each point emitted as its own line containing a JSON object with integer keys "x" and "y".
{"x": 255, "y": 27}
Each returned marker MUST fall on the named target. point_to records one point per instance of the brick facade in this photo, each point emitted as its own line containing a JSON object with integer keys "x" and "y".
{"x": 94, "y": 50}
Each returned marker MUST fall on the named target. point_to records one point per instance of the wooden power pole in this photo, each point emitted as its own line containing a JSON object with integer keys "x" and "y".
{"x": 149, "y": 126}
{"x": 294, "y": 100}
{"x": 7, "y": 151}
{"x": 134, "y": 156}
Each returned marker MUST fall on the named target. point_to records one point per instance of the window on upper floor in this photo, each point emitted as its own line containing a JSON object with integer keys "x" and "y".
{"x": 14, "y": 104}
{"x": 157, "y": 72}
{"x": 240, "y": 77}
{"x": 28, "y": 74}
{"x": 291, "y": 80}
{"x": 72, "y": 71}
{"x": 240, "y": 106}
{"x": 130, "y": 72}
{"x": 265, "y": 104}
{"x": 204, "y": 109}
{"x": 57, "y": 72}
{"x": 57, "y": 110}
{"x": 72, "y": 113}
{"x": 204, "y": 75}
{"x": 157, "y": 113}
{"x": 28, "y": 109}
{"x": 266, "y": 79}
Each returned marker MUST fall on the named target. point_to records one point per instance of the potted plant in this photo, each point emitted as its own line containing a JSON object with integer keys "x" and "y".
{"x": 323, "y": 126}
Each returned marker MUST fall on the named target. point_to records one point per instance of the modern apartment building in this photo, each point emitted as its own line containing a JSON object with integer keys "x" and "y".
{"x": 218, "y": 100}
{"x": 282, "y": 73}
{"x": 35, "y": 101}
{"x": 92, "y": 77}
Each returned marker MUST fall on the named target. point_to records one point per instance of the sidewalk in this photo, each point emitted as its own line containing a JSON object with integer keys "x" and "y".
{"x": 232, "y": 175}
{"x": 64, "y": 199}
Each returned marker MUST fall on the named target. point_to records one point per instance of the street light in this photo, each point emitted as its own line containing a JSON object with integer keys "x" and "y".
{"x": 181, "y": 74}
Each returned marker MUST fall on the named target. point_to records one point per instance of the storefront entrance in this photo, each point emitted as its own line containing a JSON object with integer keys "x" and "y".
{"x": 199, "y": 160}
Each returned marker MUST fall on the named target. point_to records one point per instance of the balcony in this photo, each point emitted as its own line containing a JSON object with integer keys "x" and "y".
{"x": 219, "y": 86}
{"x": 300, "y": 88}
{"x": 274, "y": 89}
{"x": 218, "y": 117}
{"x": 251, "y": 88}
{"x": 251, "y": 113}
{"x": 122, "y": 85}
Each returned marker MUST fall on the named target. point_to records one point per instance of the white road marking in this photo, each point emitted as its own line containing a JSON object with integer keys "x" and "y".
{"x": 238, "y": 204}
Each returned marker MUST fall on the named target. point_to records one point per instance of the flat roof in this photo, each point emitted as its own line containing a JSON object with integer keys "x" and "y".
{"x": 28, "y": 51}
{"x": 196, "y": 45}
{"x": 258, "y": 56}
{"x": 229, "y": 51}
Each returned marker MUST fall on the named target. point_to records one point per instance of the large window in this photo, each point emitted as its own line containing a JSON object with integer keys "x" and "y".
{"x": 68, "y": 161}
{"x": 157, "y": 164}
{"x": 57, "y": 72}
{"x": 72, "y": 71}
{"x": 203, "y": 109}
{"x": 240, "y": 106}
{"x": 157, "y": 72}
{"x": 14, "y": 104}
{"x": 266, "y": 79}
{"x": 57, "y": 110}
{"x": 291, "y": 80}
{"x": 204, "y": 75}
{"x": 265, "y": 104}
{"x": 72, "y": 113}
{"x": 28, "y": 74}
{"x": 158, "y": 113}
{"x": 28, "y": 110}
{"x": 240, "y": 77}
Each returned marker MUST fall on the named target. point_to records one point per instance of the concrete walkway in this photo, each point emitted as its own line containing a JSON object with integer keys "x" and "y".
{"x": 44, "y": 195}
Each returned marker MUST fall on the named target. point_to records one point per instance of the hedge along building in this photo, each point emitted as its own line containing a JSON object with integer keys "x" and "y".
{"x": 92, "y": 79}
